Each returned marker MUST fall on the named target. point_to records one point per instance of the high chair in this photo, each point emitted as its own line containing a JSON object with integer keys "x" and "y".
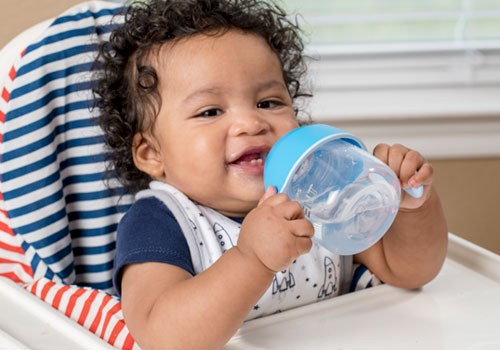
{"x": 58, "y": 219}
{"x": 58, "y": 223}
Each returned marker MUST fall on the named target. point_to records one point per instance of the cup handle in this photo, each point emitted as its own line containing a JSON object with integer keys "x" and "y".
{"x": 415, "y": 192}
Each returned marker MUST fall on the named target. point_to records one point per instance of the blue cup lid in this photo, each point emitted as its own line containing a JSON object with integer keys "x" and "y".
{"x": 289, "y": 151}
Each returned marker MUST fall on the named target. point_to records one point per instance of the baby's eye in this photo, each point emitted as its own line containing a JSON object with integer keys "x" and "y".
{"x": 269, "y": 104}
{"x": 210, "y": 113}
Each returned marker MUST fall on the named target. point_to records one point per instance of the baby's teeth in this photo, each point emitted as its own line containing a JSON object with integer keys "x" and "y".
{"x": 253, "y": 161}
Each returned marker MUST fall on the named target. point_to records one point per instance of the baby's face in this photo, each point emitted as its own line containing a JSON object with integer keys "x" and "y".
{"x": 224, "y": 105}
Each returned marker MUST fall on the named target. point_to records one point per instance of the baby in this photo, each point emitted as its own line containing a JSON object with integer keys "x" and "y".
{"x": 193, "y": 95}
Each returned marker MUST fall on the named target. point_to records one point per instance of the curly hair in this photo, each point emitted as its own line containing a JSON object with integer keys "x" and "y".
{"x": 126, "y": 93}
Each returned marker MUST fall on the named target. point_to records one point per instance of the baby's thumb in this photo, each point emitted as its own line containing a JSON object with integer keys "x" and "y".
{"x": 271, "y": 191}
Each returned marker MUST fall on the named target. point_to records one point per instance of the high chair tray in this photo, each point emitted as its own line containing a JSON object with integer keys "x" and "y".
{"x": 459, "y": 309}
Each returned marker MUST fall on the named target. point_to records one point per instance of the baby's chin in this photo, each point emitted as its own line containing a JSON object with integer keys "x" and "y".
{"x": 239, "y": 209}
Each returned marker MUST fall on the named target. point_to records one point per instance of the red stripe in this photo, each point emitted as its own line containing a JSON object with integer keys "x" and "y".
{"x": 12, "y": 276}
{"x": 97, "y": 319}
{"x": 86, "y": 307}
{"x": 72, "y": 301}
{"x": 128, "y": 344}
{"x": 46, "y": 289}
{"x": 33, "y": 287}
{"x": 25, "y": 267}
{"x": 109, "y": 314}
{"x": 10, "y": 248}
{"x": 12, "y": 73}
{"x": 5, "y": 95}
{"x": 23, "y": 52}
{"x": 57, "y": 298}
{"x": 5, "y": 228}
{"x": 115, "y": 332}
{"x": 2, "y": 117}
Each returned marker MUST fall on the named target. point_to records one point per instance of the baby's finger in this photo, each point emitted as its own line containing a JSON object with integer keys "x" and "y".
{"x": 396, "y": 156}
{"x": 290, "y": 210}
{"x": 423, "y": 176}
{"x": 270, "y": 191}
{"x": 303, "y": 245}
{"x": 412, "y": 162}
{"x": 302, "y": 228}
{"x": 381, "y": 151}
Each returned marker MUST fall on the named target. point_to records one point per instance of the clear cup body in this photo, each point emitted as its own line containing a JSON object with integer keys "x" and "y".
{"x": 350, "y": 196}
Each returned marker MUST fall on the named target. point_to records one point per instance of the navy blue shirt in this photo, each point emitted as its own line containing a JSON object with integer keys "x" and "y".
{"x": 149, "y": 232}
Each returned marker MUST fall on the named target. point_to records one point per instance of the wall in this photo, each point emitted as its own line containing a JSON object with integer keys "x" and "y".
{"x": 17, "y": 15}
{"x": 470, "y": 194}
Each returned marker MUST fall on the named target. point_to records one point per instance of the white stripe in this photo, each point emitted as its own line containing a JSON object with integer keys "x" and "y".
{"x": 95, "y": 259}
{"x": 93, "y": 241}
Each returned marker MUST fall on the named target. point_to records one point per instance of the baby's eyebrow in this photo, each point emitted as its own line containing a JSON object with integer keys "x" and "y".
{"x": 271, "y": 84}
{"x": 214, "y": 91}
{"x": 203, "y": 91}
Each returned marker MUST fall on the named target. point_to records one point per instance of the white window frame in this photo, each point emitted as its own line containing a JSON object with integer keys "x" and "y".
{"x": 442, "y": 99}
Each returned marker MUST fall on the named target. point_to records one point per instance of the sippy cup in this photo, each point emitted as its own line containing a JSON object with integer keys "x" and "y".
{"x": 350, "y": 196}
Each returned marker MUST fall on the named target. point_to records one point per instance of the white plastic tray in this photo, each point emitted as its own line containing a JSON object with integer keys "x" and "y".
{"x": 459, "y": 309}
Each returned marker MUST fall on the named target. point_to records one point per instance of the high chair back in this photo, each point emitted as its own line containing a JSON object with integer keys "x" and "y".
{"x": 58, "y": 218}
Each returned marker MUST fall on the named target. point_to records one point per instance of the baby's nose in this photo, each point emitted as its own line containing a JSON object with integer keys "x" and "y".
{"x": 250, "y": 123}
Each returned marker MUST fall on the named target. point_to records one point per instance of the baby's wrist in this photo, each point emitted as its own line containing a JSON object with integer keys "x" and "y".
{"x": 253, "y": 260}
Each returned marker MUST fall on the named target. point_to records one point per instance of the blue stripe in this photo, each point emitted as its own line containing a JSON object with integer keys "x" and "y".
{"x": 63, "y": 73}
{"x": 49, "y": 274}
{"x": 66, "y": 271}
{"x": 94, "y": 268}
{"x": 48, "y": 220}
{"x": 70, "y": 107}
{"x": 83, "y": 15}
{"x": 93, "y": 232}
{"x": 21, "y": 191}
{"x": 45, "y": 100}
{"x": 35, "y": 260}
{"x": 8, "y": 176}
{"x": 84, "y": 141}
{"x": 50, "y": 238}
{"x": 48, "y": 140}
{"x": 29, "y": 168}
{"x": 95, "y": 158}
{"x": 89, "y": 196}
{"x": 56, "y": 56}
{"x": 59, "y": 255}
{"x": 55, "y": 197}
{"x": 72, "y": 33}
{"x": 360, "y": 270}
{"x": 29, "y": 208}
{"x": 78, "y": 251}
{"x": 74, "y": 179}
{"x": 97, "y": 285}
{"x": 92, "y": 214}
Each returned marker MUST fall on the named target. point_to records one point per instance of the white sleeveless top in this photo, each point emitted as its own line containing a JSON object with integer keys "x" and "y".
{"x": 312, "y": 277}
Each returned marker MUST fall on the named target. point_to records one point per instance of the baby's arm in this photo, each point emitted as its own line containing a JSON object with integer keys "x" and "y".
{"x": 412, "y": 252}
{"x": 166, "y": 308}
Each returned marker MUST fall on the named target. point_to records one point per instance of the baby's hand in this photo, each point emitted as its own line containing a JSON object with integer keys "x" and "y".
{"x": 275, "y": 232}
{"x": 411, "y": 168}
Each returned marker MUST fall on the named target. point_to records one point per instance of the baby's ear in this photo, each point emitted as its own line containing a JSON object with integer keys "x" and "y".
{"x": 146, "y": 156}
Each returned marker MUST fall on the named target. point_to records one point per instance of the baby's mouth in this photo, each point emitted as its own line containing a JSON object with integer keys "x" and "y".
{"x": 252, "y": 160}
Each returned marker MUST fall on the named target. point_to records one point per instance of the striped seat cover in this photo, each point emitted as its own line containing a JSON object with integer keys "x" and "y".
{"x": 58, "y": 218}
